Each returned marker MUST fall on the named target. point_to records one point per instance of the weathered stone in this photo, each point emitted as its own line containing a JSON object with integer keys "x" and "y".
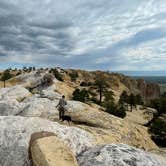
{"x": 51, "y": 151}
{"x": 16, "y": 131}
{"x": 108, "y": 128}
{"x": 15, "y": 92}
{"x": 148, "y": 90}
{"x": 118, "y": 155}
{"x": 9, "y": 107}
{"x": 37, "y": 106}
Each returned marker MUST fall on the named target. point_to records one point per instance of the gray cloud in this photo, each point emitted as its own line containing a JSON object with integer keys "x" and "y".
{"x": 87, "y": 34}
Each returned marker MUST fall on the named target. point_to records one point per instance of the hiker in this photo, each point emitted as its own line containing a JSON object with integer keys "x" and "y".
{"x": 62, "y": 104}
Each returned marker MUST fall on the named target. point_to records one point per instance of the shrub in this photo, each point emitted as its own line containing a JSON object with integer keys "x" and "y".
{"x": 80, "y": 95}
{"x": 85, "y": 84}
{"x": 73, "y": 75}
{"x": 158, "y": 129}
{"x": 57, "y": 75}
{"x": 113, "y": 109}
{"x": 47, "y": 80}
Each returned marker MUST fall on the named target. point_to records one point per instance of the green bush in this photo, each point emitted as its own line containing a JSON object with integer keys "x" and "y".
{"x": 158, "y": 129}
{"x": 115, "y": 110}
{"x": 73, "y": 75}
{"x": 47, "y": 80}
{"x": 57, "y": 75}
{"x": 85, "y": 84}
{"x": 81, "y": 95}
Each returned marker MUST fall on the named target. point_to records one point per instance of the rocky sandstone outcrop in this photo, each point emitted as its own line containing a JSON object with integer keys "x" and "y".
{"x": 16, "y": 131}
{"x": 9, "y": 107}
{"x": 38, "y": 106}
{"x": 119, "y": 82}
{"x": 148, "y": 90}
{"x": 140, "y": 115}
{"x": 109, "y": 129}
{"x": 118, "y": 155}
{"x": 51, "y": 151}
{"x": 15, "y": 92}
{"x": 19, "y": 119}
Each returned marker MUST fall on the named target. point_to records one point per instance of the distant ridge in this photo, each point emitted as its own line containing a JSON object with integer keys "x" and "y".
{"x": 142, "y": 73}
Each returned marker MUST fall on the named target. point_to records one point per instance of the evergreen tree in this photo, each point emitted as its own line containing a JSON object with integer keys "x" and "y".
{"x": 124, "y": 100}
{"x": 132, "y": 101}
{"x": 5, "y": 76}
{"x": 101, "y": 84}
{"x": 111, "y": 107}
{"x": 139, "y": 99}
{"x": 81, "y": 95}
{"x": 109, "y": 98}
{"x": 56, "y": 73}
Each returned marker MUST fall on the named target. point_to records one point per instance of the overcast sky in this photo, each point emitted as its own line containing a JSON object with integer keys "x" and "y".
{"x": 87, "y": 34}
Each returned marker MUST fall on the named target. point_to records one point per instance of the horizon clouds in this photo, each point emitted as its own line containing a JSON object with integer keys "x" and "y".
{"x": 89, "y": 34}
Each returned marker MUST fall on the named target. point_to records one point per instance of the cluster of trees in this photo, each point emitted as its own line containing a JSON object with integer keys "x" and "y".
{"x": 105, "y": 97}
{"x": 157, "y": 125}
{"x": 28, "y": 69}
{"x": 158, "y": 130}
{"x": 113, "y": 108}
{"x": 131, "y": 100}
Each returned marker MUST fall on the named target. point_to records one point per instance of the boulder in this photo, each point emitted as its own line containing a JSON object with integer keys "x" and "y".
{"x": 37, "y": 106}
{"x": 9, "y": 107}
{"x": 33, "y": 77}
{"x": 51, "y": 151}
{"x": 77, "y": 106}
{"x": 16, "y": 131}
{"x": 15, "y": 92}
{"x": 50, "y": 93}
{"x": 118, "y": 155}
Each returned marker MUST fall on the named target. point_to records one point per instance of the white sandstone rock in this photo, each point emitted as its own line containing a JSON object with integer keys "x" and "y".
{"x": 9, "y": 107}
{"x": 50, "y": 93}
{"x": 118, "y": 155}
{"x": 15, "y": 92}
{"x": 37, "y": 106}
{"x": 15, "y": 134}
{"x": 75, "y": 106}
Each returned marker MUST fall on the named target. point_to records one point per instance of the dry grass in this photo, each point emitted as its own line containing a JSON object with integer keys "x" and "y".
{"x": 10, "y": 82}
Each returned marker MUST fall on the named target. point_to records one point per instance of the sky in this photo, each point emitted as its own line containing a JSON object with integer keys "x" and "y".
{"x": 115, "y": 35}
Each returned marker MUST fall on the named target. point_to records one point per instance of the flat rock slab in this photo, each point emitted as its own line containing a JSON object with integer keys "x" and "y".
{"x": 119, "y": 155}
{"x": 51, "y": 151}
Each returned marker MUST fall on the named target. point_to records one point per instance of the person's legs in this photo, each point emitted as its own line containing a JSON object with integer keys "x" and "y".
{"x": 63, "y": 112}
{"x": 59, "y": 114}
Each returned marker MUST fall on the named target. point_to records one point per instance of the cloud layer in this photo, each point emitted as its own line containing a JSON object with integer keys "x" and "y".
{"x": 89, "y": 34}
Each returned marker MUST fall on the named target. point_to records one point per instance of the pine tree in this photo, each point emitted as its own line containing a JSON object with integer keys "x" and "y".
{"x": 132, "y": 101}
{"x": 5, "y": 76}
{"x": 101, "y": 84}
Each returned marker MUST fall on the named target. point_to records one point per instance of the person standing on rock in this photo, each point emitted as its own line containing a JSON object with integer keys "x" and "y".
{"x": 62, "y": 107}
